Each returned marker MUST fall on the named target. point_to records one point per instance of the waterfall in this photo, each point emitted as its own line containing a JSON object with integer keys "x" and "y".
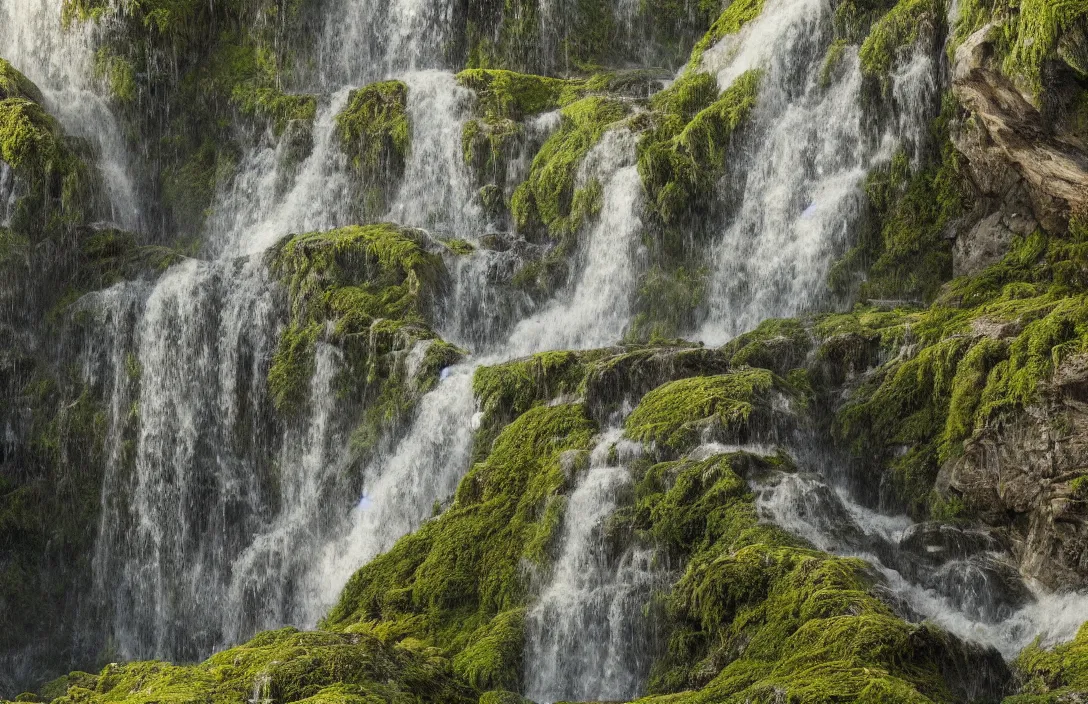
{"x": 253, "y": 213}
{"x": 61, "y": 62}
{"x": 403, "y": 486}
{"x": 220, "y": 527}
{"x": 596, "y": 311}
{"x": 436, "y": 192}
{"x": 427, "y": 464}
{"x": 364, "y": 40}
{"x": 588, "y": 637}
{"x": 176, "y": 515}
{"x": 967, "y": 589}
{"x": 218, "y": 519}
{"x": 798, "y": 183}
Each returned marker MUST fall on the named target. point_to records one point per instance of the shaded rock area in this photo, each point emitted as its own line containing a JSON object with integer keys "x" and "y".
{"x": 1015, "y": 159}
{"x": 1025, "y": 479}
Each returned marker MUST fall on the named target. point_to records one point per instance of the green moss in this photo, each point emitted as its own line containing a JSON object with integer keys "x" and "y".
{"x": 118, "y": 73}
{"x": 906, "y": 250}
{"x": 13, "y": 84}
{"x": 375, "y": 133}
{"x": 897, "y": 31}
{"x": 547, "y": 198}
{"x": 492, "y": 658}
{"x": 507, "y": 95}
{"x": 361, "y": 272}
{"x": 757, "y": 616}
{"x": 1028, "y": 34}
{"x": 368, "y": 290}
{"x": 58, "y": 189}
{"x": 679, "y": 414}
{"x": 982, "y": 353}
{"x": 501, "y": 697}
{"x": 832, "y": 61}
{"x": 248, "y": 75}
{"x": 680, "y": 161}
{"x": 778, "y": 345}
{"x": 1046, "y": 674}
{"x": 285, "y": 665}
{"x": 732, "y": 19}
{"x": 508, "y": 390}
{"x": 669, "y": 302}
{"x": 460, "y": 581}
{"x": 28, "y": 135}
{"x": 854, "y": 18}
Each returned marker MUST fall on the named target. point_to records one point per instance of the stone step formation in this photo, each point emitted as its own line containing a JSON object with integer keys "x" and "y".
{"x": 546, "y": 350}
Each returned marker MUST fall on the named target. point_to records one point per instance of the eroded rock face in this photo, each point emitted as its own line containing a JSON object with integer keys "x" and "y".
{"x": 990, "y": 238}
{"x": 1020, "y": 477}
{"x": 1025, "y": 174}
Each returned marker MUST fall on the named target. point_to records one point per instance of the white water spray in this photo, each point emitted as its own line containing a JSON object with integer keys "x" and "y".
{"x": 61, "y": 63}
{"x": 798, "y": 184}
{"x": 588, "y": 636}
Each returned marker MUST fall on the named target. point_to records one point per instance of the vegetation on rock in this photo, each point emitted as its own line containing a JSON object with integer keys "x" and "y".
{"x": 368, "y": 289}
{"x": 376, "y": 135}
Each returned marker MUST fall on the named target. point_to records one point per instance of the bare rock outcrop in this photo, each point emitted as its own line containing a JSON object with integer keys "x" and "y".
{"x": 1025, "y": 174}
{"x": 1021, "y": 478}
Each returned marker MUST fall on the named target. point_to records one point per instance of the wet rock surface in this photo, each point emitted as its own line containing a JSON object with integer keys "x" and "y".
{"x": 1022, "y": 479}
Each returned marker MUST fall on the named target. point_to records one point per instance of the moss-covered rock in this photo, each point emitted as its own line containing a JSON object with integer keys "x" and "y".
{"x": 1052, "y": 675}
{"x": 978, "y": 354}
{"x": 904, "y": 251}
{"x": 548, "y": 199}
{"x": 680, "y": 159}
{"x": 58, "y": 189}
{"x": 756, "y": 615}
{"x": 368, "y": 290}
{"x": 461, "y": 579}
{"x": 898, "y": 31}
{"x": 376, "y": 134}
{"x": 731, "y": 20}
{"x": 1030, "y": 34}
{"x": 285, "y": 665}
{"x": 737, "y": 406}
{"x": 514, "y": 96}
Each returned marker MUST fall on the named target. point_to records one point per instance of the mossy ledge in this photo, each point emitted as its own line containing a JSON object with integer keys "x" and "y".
{"x": 368, "y": 290}
{"x": 753, "y": 612}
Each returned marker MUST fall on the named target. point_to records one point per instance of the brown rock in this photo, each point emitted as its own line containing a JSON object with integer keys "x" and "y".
{"x": 1017, "y": 477}
{"x": 1015, "y": 161}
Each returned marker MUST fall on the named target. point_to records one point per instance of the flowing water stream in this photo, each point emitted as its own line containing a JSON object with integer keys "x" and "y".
{"x": 226, "y": 523}
{"x": 588, "y": 638}
{"x": 61, "y": 63}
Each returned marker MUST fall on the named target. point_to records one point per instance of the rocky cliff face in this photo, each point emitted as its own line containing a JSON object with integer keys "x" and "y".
{"x": 573, "y": 350}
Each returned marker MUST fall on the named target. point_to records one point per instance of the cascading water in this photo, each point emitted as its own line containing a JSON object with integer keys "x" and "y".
{"x": 953, "y": 577}
{"x": 60, "y": 62}
{"x": 588, "y": 637}
{"x": 217, "y": 522}
{"x": 436, "y": 192}
{"x": 428, "y": 462}
{"x": 597, "y": 309}
{"x": 253, "y": 213}
{"x": 797, "y": 184}
{"x": 403, "y": 486}
{"x": 192, "y": 495}
{"x": 218, "y": 526}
